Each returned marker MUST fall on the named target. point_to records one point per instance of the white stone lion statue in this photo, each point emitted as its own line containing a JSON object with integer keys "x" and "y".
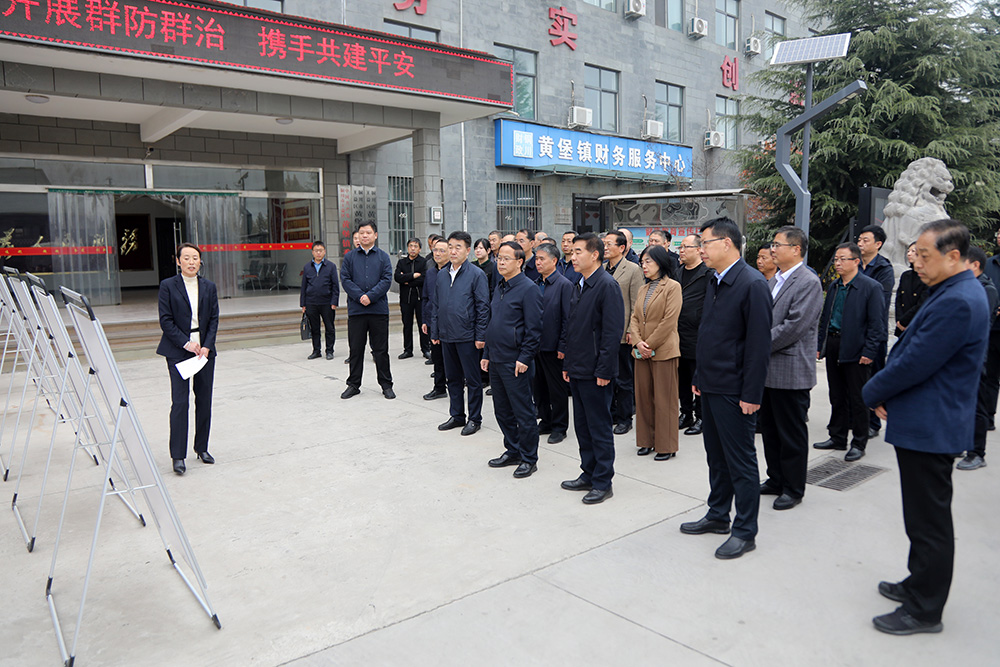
{"x": 917, "y": 198}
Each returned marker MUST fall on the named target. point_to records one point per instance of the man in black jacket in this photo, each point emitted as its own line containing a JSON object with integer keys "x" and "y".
{"x": 694, "y": 277}
{"x": 511, "y": 343}
{"x": 409, "y": 274}
{"x": 593, "y": 332}
{"x": 851, "y": 332}
{"x": 734, "y": 346}
{"x": 551, "y": 391}
{"x": 438, "y": 263}
{"x": 318, "y": 297}
{"x": 879, "y": 269}
{"x": 992, "y": 269}
{"x": 976, "y": 457}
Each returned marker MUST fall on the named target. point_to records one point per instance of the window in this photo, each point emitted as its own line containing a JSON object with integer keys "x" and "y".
{"x": 518, "y": 207}
{"x": 524, "y": 78}
{"x": 400, "y": 213}
{"x": 411, "y": 31}
{"x": 610, "y": 5}
{"x": 270, "y": 5}
{"x": 727, "y": 17}
{"x": 601, "y": 96}
{"x": 670, "y": 14}
{"x": 774, "y": 26}
{"x": 726, "y": 111}
{"x": 670, "y": 110}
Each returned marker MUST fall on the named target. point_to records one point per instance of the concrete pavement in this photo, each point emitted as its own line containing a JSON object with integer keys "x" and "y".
{"x": 353, "y": 532}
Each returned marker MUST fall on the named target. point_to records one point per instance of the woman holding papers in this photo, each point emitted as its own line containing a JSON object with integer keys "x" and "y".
{"x": 189, "y": 318}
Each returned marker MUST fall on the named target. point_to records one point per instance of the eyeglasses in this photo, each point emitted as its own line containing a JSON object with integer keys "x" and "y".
{"x": 775, "y": 244}
{"x": 844, "y": 259}
{"x": 705, "y": 242}
{"x": 501, "y": 258}
{"x": 690, "y": 247}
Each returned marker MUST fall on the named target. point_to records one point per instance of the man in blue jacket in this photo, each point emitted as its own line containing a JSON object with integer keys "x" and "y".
{"x": 992, "y": 372}
{"x": 551, "y": 392}
{"x": 458, "y": 322}
{"x": 318, "y": 297}
{"x": 439, "y": 262}
{"x": 734, "y": 345}
{"x": 366, "y": 274}
{"x": 511, "y": 343}
{"x": 878, "y": 268}
{"x": 595, "y": 325}
{"x": 927, "y": 395}
{"x": 851, "y": 332}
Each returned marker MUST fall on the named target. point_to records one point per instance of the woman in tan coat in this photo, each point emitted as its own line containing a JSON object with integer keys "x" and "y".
{"x": 657, "y": 350}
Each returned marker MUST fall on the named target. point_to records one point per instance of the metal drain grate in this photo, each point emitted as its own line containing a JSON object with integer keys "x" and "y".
{"x": 840, "y": 475}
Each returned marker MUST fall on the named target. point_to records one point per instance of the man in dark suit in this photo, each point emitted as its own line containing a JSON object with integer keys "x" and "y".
{"x": 662, "y": 237}
{"x": 975, "y": 457}
{"x": 318, "y": 297}
{"x": 366, "y": 274}
{"x": 410, "y": 271}
{"x": 189, "y": 319}
{"x": 992, "y": 372}
{"x": 511, "y": 344}
{"x": 798, "y": 297}
{"x": 629, "y": 278}
{"x": 693, "y": 277}
{"x": 879, "y": 269}
{"x": 734, "y": 344}
{"x": 551, "y": 392}
{"x": 439, "y": 263}
{"x": 526, "y": 239}
{"x": 596, "y": 320}
{"x": 851, "y": 331}
{"x": 927, "y": 395}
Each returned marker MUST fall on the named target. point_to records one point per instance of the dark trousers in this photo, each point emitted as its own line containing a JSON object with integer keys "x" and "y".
{"x": 925, "y": 480}
{"x": 515, "y": 410}
{"x": 594, "y": 431}
{"x": 786, "y": 438}
{"x": 327, "y": 314}
{"x": 982, "y": 423}
{"x": 992, "y": 374}
{"x": 180, "y": 391}
{"x": 408, "y": 310}
{"x": 551, "y": 393}
{"x": 878, "y": 363}
{"x": 690, "y": 404}
{"x": 461, "y": 367}
{"x": 847, "y": 409}
{"x": 623, "y": 405}
{"x": 732, "y": 463}
{"x": 374, "y": 328}
{"x": 437, "y": 356}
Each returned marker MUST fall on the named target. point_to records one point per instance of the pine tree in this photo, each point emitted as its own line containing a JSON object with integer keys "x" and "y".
{"x": 933, "y": 91}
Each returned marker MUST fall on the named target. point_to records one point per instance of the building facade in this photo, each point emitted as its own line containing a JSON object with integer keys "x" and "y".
{"x": 125, "y": 128}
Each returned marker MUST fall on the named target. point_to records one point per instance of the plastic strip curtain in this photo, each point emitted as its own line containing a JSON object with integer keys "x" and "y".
{"x": 214, "y": 220}
{"x": 85, "y": 220}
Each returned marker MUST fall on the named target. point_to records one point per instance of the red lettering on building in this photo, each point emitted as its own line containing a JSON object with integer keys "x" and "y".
{"x": 210, "y": 34}
{"x": 419, "y": 6}
{"x": 731, "y": 73}
{"x": 300, "y": 44}
{"x": 140, "y": 22}
{"x": 354, "y": 57}
{"x": 27, "y": 4}
{"x": 379, "y": 58}
{"x": 272, "y": 42}
{"x": 64, "y": 11}
{"x": 404, "y": 64}
{"x": 561, "y": 21}
{"x": 102, "y": 15}
{"x": 175, "y": 26}
{"x": 328, "y": 51}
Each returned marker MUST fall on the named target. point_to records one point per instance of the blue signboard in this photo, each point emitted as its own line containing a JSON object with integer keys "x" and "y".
{"x": 526, "y": 145}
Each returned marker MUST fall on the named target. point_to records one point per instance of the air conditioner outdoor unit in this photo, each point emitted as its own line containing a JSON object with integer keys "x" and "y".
{"x": 714, "y": 139}
{"x": 753, "y": 46}
{"x": 652, "y": 129}
{"x": 699, "y": 28}
{"x": 580, "y": 117}
{"x": 635, "y": 9}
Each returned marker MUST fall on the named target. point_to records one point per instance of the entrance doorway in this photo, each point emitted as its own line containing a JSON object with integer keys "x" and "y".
{"x": 588, "y": 215}
{"x": 148, "y": 228}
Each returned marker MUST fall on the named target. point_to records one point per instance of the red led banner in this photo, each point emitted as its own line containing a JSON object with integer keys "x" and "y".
{"x": 227, "y": 36}
{"x": 60, "y": 250}
{"x": 248, "y": 247}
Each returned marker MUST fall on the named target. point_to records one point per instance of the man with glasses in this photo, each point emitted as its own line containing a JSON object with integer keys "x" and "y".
{"x": 851, "y": 331}
{"x": 797, "y": 297}
{"x": 694, "y": 277}
{"x": 551, "y": 392}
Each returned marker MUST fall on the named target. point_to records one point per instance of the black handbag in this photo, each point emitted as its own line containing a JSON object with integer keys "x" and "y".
{"x": 304, "y": 329}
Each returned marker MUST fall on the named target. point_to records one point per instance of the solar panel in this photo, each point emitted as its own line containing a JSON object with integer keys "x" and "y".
{"x": 811, "y": 49}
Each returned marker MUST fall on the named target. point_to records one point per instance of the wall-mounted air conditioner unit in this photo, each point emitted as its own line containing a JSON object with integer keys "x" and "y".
{"x": 580, "y": 117}
{"x": 754, "y": 46}
{"x": 635, "y": 9}
{"x": 652, "y": 129}
{"x": 699, "y": 28}
{"x": 714, "y": 139}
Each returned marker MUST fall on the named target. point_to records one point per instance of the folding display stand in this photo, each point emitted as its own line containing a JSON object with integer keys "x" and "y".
{"x": 127, "y": 432}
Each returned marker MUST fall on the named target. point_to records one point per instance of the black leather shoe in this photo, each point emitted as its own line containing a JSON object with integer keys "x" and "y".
{"x": 389, "y": 393}
{"x": 314, "y": 355}
{"x": 504, "y": 460}
{"x": 350, "y": 392}
{"x": 785, "y": 502}
{"x": 179, "y": 466}
{"x": 829, "y": 444}
{"x": 426, "y": 354}
{"x": 577, "y": 484}
{"x": 623, "y": 428}
{"x": 855, "y": 454}
{"x": 329, "y": 356}
{"x": 705, "y": 525}
{"x": 205, "y": 457}
{"x": 453, "y": 422}
{"x": 556, "y": 438}
{"x": 664, "y": 456}
{"x": 525, "y": 470}
{"x": 488, "y": 392}
{"x": 873, "y": 433}
{"x": 595, "y": 496}
{"x": 900, "y": 622}
{"x": 405, "y": 355}
{"x": 429, "y": 362}
{"x": 894, "y": 592}
{"x": 686, "y": 421}
{"x": 433, "y": 394}
{"x": 644, "y": 451}
{"x": 734, "y": 547}
{"x": 471, "y": 428}
{"x": 695, "y": 428}
{"x": 767, "y": 490}
{"x": 544, "y": 430}
{"x": 347, "y": 360}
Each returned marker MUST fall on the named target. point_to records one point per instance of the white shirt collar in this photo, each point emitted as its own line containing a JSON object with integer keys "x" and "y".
{"x": 720, "y": 276}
